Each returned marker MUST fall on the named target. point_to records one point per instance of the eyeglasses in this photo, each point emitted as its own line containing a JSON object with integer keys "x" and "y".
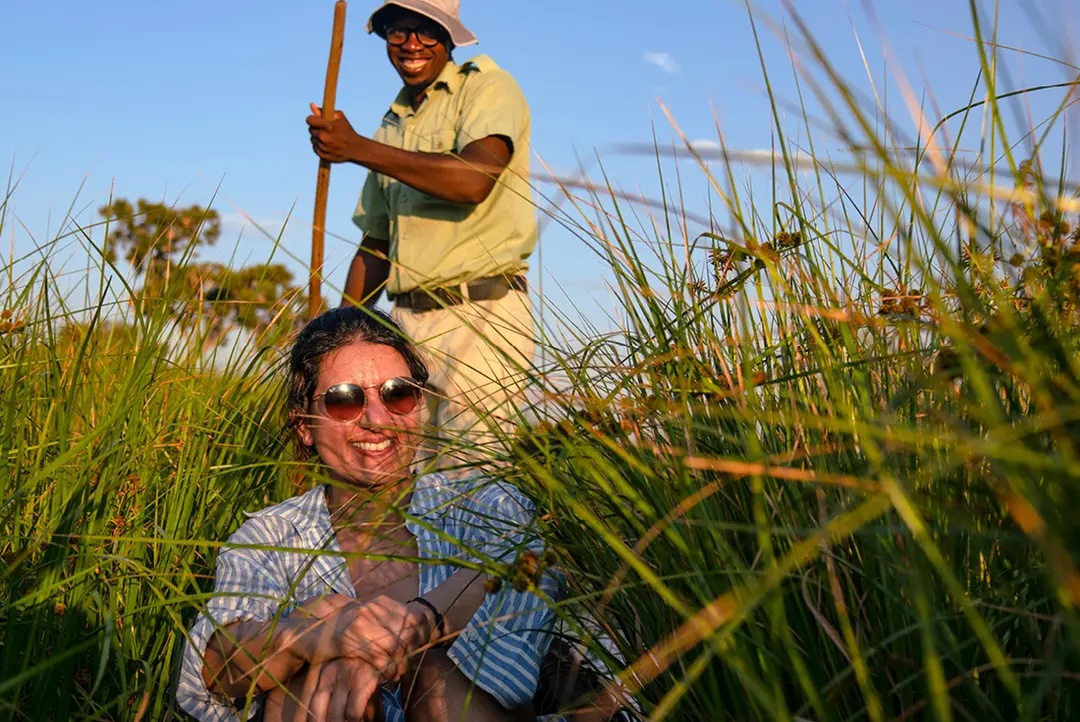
{"x": 428, "y": 36}
{"x": 346, "y": 402}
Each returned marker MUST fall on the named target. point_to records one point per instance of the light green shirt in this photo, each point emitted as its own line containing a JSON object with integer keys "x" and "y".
{"x": 435, "y": 242}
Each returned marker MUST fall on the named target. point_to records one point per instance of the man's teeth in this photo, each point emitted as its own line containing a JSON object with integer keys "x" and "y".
{"x": 414, "y": 64}
{"x": 372, "y": 446}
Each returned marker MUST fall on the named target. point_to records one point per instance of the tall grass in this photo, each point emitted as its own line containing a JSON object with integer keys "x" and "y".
{"x": 826, "y": 470}
{"x": 122, "y": 449}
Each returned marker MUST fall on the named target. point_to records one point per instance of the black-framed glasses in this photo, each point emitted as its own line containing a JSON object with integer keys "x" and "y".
{"x": 427, "y": 36}
{"x": 346, "y": 402}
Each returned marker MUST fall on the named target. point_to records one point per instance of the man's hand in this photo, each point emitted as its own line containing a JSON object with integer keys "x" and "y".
{"x": 334, "y": 139}
{"x": 466, "y": 176}
{"x": 382, "y": 633}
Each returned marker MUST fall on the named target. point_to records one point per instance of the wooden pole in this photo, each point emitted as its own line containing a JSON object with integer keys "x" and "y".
{"x": 322, "y": 185}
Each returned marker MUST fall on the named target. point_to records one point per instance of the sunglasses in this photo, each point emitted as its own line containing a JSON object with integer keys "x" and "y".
{"x": 346, "y": 402}
{"x": 429, "y": 37}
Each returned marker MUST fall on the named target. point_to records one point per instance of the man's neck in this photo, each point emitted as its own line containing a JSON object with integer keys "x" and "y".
{"x": 416, "y": 98}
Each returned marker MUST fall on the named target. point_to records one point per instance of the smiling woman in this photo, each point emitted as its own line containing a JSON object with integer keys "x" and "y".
{"x": 351, "y": 601}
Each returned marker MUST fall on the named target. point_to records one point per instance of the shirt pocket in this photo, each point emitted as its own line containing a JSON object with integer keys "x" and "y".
{"x": 442, "y": 140}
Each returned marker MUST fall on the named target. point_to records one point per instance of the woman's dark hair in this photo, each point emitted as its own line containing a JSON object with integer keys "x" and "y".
{"x": 333, "y": 330}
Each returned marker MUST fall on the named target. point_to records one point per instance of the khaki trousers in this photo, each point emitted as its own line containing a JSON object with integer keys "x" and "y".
{"x": 479, "y": 354}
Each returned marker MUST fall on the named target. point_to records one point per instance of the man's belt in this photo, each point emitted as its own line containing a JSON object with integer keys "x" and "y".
{"x": 481, "y": 289}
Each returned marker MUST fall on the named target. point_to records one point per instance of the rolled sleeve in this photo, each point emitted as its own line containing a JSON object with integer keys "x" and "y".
{"x": 501, "y": 647}
{"x": 495, "y": 106}
{"x": 372, "y": 215}
{"x": 245, "y": 589}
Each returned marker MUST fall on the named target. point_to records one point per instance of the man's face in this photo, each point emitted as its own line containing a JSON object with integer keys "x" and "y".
{"x": 416, "y": 46}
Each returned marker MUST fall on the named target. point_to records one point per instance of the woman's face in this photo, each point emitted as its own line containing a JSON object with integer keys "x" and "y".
{"x": 376, "y": 449}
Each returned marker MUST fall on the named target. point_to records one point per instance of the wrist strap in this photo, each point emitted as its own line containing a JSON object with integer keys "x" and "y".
{"x": 440, "y": 622}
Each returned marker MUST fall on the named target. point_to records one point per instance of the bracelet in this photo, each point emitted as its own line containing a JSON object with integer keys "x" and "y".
{"x": 440, "y": 622}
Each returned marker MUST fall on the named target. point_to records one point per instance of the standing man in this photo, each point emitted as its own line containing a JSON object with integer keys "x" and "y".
{"x": 447, "y": 217}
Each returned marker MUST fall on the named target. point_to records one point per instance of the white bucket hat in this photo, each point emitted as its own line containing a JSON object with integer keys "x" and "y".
{"x": 445, "y": 12}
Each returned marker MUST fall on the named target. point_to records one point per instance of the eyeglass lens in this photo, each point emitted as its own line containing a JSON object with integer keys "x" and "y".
{"x": 428, "y": 37}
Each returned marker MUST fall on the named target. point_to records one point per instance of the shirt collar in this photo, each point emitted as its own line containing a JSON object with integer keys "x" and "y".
{"x": 309, "y": 516}
{"x": 432, "y": 497}
{"x": 449, "y": 81}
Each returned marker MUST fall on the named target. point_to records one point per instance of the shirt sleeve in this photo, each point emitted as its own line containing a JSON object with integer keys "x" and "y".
{"x": 246, "y": 587}
{"x": 501, "y": 647}
{"x": 372, "y": 216}
{"x": 495, "y": 106}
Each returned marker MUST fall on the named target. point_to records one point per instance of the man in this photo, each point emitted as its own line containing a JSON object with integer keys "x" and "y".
{"x": 447, "y": 218}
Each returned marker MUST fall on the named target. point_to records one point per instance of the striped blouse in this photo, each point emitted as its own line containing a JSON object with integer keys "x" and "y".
{"x": 499, "y": 650}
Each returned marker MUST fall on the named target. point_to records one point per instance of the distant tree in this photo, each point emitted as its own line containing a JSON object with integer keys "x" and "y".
{"x": 161, "y": 244}
{"x": 154, "y": 236}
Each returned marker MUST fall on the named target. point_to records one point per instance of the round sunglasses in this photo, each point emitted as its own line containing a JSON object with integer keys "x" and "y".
{"x": 346, "y": 402}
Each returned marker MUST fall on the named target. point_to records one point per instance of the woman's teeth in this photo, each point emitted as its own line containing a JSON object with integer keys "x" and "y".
{"x": 371, "y": 446}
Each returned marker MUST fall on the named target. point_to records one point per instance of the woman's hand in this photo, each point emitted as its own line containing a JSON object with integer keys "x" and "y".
{"x": 344, "y": 690}
{"x": 324, "y": 606}
{"x": 382, "y": 633}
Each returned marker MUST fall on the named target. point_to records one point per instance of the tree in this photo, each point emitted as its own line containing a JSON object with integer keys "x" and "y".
{"x": 161, "y": 244}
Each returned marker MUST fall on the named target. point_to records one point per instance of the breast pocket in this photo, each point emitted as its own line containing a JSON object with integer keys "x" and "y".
{"x": 441, "y": 141}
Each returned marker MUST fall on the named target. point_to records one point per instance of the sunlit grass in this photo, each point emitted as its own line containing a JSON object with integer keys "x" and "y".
{"x": 823, "y": 471}
{"x": 827, "y": 468}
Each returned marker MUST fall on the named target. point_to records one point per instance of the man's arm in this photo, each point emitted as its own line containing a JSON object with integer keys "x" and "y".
{"x": 466, "y": 177}
{"x": 368, "y": 272}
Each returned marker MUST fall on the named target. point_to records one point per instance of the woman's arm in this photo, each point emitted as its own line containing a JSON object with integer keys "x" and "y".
{"x": 231, "y": 663}
{"x": 498, "y": 638}
{"x": 247, "y": 656}
{"x": 250, "y": 656}
{"x": 343, "y": 689}
{"x": 457, "y": 599}
{"x": 439, "y": 692}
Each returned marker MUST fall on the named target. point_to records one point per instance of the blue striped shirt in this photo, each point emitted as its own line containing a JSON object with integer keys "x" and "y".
{"x": 499, "y": 650}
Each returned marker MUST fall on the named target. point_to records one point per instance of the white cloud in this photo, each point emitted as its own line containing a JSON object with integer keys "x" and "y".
{"x": 664, "y": 61}
{"x": 706, "y": 145}
{"x": 711, "y": 149}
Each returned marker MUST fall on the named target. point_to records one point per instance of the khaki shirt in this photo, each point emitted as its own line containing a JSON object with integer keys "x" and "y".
{"x": 435, "y": 242}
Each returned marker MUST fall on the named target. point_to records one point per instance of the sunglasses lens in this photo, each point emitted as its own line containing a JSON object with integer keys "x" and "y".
{"x": 344, "y": 402}
{"x": 400, "y": 396}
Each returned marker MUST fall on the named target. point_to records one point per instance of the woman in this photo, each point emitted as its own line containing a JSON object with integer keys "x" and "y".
{"x": 344, "y": 603}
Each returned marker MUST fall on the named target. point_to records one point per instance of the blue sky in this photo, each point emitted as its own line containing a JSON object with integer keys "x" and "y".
{"x": 177, "y": 100}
